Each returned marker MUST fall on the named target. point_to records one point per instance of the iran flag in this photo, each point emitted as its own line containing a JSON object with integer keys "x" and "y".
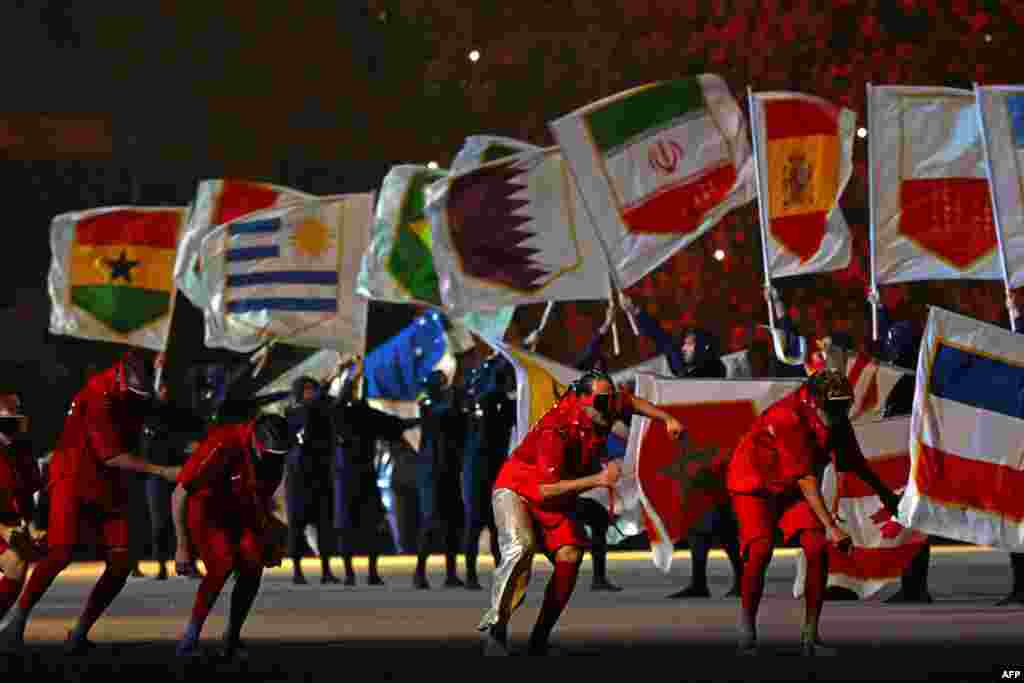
{"x": 658, "y": 166}
{"x": 931, "y": 213}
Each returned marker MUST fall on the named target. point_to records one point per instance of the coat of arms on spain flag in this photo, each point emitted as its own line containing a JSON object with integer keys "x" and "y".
{"x": 111, "y": 277}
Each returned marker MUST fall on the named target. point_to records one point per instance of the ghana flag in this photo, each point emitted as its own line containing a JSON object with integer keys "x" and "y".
{"x": 111, "y": 277}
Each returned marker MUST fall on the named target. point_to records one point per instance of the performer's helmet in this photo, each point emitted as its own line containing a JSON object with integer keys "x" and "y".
{"x": 833, "y": 391}
{"x": 135, "y": 375}
{"x": 584, "y": 386}
{"x": 272, "y": 434}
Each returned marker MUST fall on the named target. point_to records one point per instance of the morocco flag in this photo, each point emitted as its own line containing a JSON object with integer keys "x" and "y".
{"x": 658, "y": 166}
{"x": 930, "y": 203}
{"x": 111, "y": 274}
{"x": 804, "y": 161}
{"x": 681, "y": 481}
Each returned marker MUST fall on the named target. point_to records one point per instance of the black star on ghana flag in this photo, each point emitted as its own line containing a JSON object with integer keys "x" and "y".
{"x": 121, "y": 268}
{"x": 703, "y": 478}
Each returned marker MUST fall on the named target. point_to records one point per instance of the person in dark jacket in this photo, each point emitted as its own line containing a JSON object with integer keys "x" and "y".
{"x": 490, "y": 415}
{"x": 359, "y": 514}
{"x": 697, "y": 357}
{"x": 437, "y": 477}
{"x": 309, "y": 482}
{"x": 167, "y": 434}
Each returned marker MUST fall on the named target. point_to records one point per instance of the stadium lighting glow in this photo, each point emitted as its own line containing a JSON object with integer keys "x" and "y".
{"x": 862, "y": 132}
{"x": 719, "y": 255}
{"x": 474, "y": 55}
{"x": 432, "y": 165}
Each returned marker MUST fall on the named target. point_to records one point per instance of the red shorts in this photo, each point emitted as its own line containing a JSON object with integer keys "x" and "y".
{"x": 70, "y": 516}
{"x": 557, "y": 530}
{"x": 224, "y": 541}
{"x": 759, "y": 516}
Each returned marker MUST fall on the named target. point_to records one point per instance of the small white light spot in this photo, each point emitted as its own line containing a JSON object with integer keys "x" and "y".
{"x": 719, "y": 255}
{"x": 474, "y": 55}
{"x": 432, "y": 165}
{"x": 988, "y": 37}
{"x": 862, "y": 132}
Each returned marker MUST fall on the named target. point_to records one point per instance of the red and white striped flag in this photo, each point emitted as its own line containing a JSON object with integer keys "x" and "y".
{"x": 875, "y": 560}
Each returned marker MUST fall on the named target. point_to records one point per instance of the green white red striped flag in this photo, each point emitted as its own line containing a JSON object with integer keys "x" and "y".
{"x": 658, "y": 166}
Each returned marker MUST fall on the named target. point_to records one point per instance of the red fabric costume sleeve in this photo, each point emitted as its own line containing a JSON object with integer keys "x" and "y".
{"x": 209, "y": 460}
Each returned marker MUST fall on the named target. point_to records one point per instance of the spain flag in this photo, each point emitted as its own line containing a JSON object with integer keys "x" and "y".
{"x": 805, "y": 150}
{"x": 112, "y": 273}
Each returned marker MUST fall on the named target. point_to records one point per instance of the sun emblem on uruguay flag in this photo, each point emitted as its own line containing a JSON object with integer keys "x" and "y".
{"x": 797, "y": 181}
{"x": 311, "y": 239}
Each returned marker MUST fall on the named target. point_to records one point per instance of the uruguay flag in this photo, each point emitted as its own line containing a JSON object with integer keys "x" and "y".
{"x": 289, "y": 273}
{"x": 966, "y": 449}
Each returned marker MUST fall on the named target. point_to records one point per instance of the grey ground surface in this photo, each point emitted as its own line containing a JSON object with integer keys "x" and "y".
{"x": 300, "y": 631}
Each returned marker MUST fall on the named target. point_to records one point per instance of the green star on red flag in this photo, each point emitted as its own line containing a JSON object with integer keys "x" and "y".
{"x": 680, "y": 470}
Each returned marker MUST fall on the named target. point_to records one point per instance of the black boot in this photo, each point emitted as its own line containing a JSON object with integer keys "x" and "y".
{"x": 298, "y": 578}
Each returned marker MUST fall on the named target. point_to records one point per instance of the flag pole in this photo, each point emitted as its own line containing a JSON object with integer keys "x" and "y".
{"x": 615, "y": 328}
{"x": 995, "y": 207}
{"x": 762, "y": 209}
{"x": 873, "y": 294}
{"x": 613, "y": 275}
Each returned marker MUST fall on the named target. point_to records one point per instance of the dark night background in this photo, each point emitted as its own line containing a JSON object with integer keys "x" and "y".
{"x": 137, "y": 102}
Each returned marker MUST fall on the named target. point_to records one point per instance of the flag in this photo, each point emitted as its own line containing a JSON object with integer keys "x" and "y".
{"x": 218, "y": 202}
{"x": 481, "y": 149}
{"x": 1002, "y": 120}
{"x": 658, "y": 166}
{"x": 875, "y": 561}
{"x": 513, "y": 231}
{"x": 805, "y": 160}
{"x": 399, "y": 264}
{"x": 931, "y": 213}
{"x": 965, "y": 443}
{"x": 395, "y": 370}
{"x": 679, "y": 482}
{"x": 111, "y": 275}
{"x": 289, "y": 273}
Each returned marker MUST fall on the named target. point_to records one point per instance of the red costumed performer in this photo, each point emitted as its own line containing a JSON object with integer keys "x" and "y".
{"x": 534, "y": 501}
{"x": 222, "y": 506}
{"x": 19, "y": 481}
{"x": 89, "y": 492}
{"x": 773, "y": 481}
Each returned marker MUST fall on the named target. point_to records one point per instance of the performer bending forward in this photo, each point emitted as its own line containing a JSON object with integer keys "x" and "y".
{"x": 222, "y": 504}
{"x": 534, "y": 501}
{"x": 773, "y": 482}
